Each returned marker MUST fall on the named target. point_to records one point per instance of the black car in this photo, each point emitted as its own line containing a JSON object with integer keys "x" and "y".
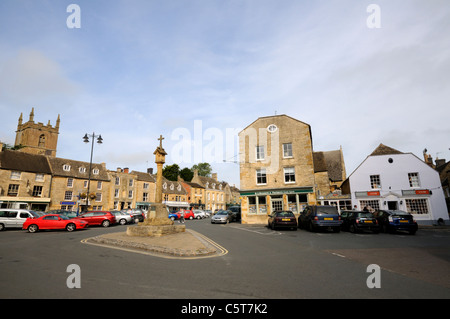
{"x": 236, "y": 213}
{"x": 355, "y": 221}
{"x": 316, "y": 217}
{"x": 393, "y": 220}
{"x": 285, "y": 219}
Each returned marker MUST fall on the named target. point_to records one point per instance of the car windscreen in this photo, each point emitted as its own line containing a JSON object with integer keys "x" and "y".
{"x": 327, "y": 210}
{"x": 401, "y": 214}
{"x": 222, "y": 213}
{"x": 285, "y": 214}
{"x": 365, "y": 215}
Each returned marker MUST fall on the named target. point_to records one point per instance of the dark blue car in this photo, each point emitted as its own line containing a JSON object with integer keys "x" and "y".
{"x": 391, "y": 221}
{"x": 315, "y": 217}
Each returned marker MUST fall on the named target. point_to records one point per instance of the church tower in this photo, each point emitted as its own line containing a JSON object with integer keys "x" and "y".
{"x": 37, "y": 138}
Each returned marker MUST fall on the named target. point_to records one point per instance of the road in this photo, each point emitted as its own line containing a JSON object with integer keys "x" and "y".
{"x": 259, "y": 263}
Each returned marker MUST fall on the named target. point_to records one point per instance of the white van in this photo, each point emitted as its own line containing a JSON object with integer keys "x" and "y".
{"x": 14, "y": 218}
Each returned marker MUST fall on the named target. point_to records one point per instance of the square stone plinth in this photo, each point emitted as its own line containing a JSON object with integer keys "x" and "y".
{"x": 154, "y": 231}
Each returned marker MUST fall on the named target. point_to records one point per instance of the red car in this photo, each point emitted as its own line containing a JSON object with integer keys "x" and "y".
{"x": 103, "y": 218}
{"x": 188, "y": 214}
{"x": 53, "y": 221}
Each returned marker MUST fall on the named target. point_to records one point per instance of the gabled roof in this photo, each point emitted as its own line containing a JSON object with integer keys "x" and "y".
{"x": 145, "y": 177}
{"x": 385, "y": 150}
{"x": 275, "y": 117}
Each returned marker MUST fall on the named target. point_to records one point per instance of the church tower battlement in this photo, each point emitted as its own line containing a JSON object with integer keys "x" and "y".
{"x": 37, "y": 138}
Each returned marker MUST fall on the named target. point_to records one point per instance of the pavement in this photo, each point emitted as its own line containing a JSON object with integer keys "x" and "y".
{"x": 188, "y": 244}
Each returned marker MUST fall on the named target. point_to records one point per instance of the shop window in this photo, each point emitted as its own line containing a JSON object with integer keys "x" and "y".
{"x": 417, "y": 206}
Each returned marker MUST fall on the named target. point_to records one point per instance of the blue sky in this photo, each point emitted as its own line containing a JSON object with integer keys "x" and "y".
{"x": 138, "y": 69}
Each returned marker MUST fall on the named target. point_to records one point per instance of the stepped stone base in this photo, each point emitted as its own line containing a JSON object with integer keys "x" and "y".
{"x": 155, "y": 230}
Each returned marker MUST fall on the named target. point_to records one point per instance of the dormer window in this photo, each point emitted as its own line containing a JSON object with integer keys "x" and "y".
{"x": 95, "y": 171}
{"x": 82, "y": 169}
{"x": 171, "y": 187}
{"x": 66, "y": 167}
{"x": 165, "y": 185}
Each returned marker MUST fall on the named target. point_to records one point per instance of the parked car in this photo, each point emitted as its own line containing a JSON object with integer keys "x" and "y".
{"x": 316, "y": 217}
{"x": 208, "y": 212}
{"x": 137, "y": 214}
{"x": 355, "y": 221}
{"x": 103, "y": 218}
{"x": 174, "y": 216}
{"x": 67, "y": 213}
{"x": 282, "y": 219}
{"x": 123, "y": 218}
{"x": 236, "y": 210}
{"x": 393, "y": 220}
{"x": 199, "y": 214}
{"x": 53, "y": 221}
{"x": 188, "y": 214}
{"x": 222, "y": 217}
{"x": 15, "y": 218}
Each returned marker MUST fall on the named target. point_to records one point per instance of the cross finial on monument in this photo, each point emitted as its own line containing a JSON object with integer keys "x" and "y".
{"x": 160, "y": 140}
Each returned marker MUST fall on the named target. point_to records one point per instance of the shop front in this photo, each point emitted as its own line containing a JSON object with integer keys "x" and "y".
{"x": 36, "y": 204}
{"x": 256, "y": 205}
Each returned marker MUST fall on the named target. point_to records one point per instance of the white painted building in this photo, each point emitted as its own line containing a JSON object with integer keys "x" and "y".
{"x": 390, "y": 179}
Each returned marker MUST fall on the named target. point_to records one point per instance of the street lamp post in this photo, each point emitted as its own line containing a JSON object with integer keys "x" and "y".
{"x": 86, "y": 140}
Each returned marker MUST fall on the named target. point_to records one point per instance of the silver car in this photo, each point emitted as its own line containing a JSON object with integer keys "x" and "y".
{"x": 222, "y": 217}
{"x": 123, "y": 218}
{"x": 14, "y": 218}
{"x": 199, "y": 213}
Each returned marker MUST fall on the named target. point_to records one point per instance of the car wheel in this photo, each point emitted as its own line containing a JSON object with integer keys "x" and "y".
{"x": 70, "y": 227}
{"x": 106, "y": 223}
{"x": 172, "y": 218}
{"x": 198, "y": 217}
{"x": 2, "y": 227}
{"x": 352, "y": 228}
{"x": 33, "y": 228}
{"x": 122, "y": 221}
{"x": 191, "y": 217}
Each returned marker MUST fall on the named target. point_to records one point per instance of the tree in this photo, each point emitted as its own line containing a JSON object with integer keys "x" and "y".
{"x": 186, "y": 174}
{"x": 204, "y": 169}
{"x": 171, "y": 172}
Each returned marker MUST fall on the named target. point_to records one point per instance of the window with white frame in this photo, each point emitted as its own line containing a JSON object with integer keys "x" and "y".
{"x": 130, "y": 194}
{"x": 117, "y": 181}
{"x": 375, "y": 181}
{"x": 260, "y": 152}
{"x": 289, "y": 175}
{"x": 370, "y": 204}
{"x": 82, "y": 169}
{"x": 13, "y": 189}
{"x": 95, "y": 171}
{"x": 413, "y": 179}
{"x": 98, "y": 197}
{"x": 66, "y": 167}
{"x": 144, "y": 197}
{"x": 15, "y": 175}
{"x": 417, "y": 206}
{"x": 37, "y": 191}
{"x": 287, "y": 150}
{"x": 39, "y": 177}
{"x": 68, "y": 195}
{"x": 99, "y": 185}
{"x": 146, "y": 185}
{"x": 116, "y": 193}
{"x": 261, "y": 177}
{"x": 70, "y": 182}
